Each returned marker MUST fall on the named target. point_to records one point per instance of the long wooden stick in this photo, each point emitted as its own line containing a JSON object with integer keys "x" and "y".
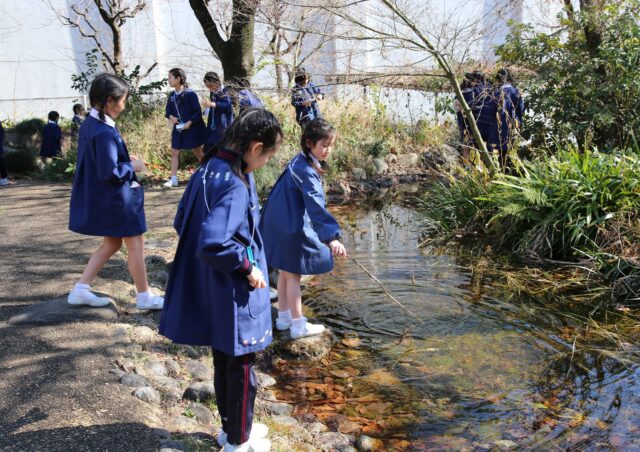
{"x": 384, "y": 289}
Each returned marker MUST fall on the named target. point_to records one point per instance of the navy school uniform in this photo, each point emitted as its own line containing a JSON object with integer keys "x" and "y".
{"x": 106, "y": 198}
{"x": 248, "y": 99}
{"x": 302, "y": 94}
{"x": 76, "y": 122}
{"x": 51, "y": 140}
{"x": 220, "y": 117}
{"x": 208, "y": 300}
{"x": 296, "y": 225}
{"x": 186, "y": 107}
{"x": 511, "y": 108}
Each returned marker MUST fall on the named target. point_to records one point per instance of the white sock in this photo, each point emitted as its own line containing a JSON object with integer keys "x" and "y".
{"x": 80, "y": 286}
{"x": 143, "y": 296}
{"x": 298, "y": 324}
{"x": 174, "y": 178}
{"x": 285, "y": 316}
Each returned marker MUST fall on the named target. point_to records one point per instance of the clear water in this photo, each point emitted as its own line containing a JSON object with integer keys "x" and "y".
{"x": 474, "y": 368}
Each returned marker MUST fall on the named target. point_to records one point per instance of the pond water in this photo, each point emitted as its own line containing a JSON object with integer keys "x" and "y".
{"x": 474, "y": 367}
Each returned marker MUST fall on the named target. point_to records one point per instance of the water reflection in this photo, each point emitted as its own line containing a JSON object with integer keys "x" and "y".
{"x": 477, "y": 369}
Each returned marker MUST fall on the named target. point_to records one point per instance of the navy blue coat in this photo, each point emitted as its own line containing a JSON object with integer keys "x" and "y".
{"x": 248, "y": 99}
{"x": 186, "y": 107}
{"x": 220, "y": 117}
{"x": 510, "y": 111}
{"x": 302, "y": 94}
{"x": 296, "y": 225}
{"x": 208, "y": 300}
{"x": 106, "y": 198}
{"x": 485, "y": 110}
{"x": 51, "y": 140}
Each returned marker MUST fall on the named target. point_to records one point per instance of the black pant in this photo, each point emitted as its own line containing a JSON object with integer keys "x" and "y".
{"x": 3, "y": 167}
{"x": 236, "y": 385}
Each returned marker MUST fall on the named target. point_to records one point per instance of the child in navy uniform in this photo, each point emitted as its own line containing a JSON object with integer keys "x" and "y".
{"x": 51, "y": 137}
{"x": 510, "y": 111}
{"x": 300, "y": 235}
{"x": 185, "y": 115}
{"x": 245, "y": 97}
{"x": 78, "y": 117}
{"x": 4, "y": 181}
{"x": 106, "y": 198}
{"x": 219, "y": 110}
{"x": 217, "y": 293}
{"x": 304, "y": 97}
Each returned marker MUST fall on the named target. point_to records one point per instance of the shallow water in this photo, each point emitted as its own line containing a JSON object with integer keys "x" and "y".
{"x": 474, "y": 368}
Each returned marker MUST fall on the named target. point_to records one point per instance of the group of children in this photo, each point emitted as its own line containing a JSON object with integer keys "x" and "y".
{"x": 185, "y": 114}
{"x": 497, "y": 109}
{"x": 52, "y": 136}
{"x": 217, "y": 294}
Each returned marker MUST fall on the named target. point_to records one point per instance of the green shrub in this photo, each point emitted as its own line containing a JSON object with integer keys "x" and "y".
{"x": 61, "y": 169}
{"x": 21, "y": 161}
{"x": 29, "y": 126}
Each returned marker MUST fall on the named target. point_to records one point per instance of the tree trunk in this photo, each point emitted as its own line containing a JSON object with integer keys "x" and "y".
{"x": 235, "y": 53}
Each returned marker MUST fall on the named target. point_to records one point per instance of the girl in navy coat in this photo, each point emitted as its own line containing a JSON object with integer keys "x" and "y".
{"x": 510, "y": 111}
{"x": 106, "y": 198}
{"x": 51, "y": 137}
{"x": 4, "y": 181}
{"x": 185, "y": 116}
{"x": 219, "y": 110}
{"x": 304, "y": 97}
{"x": 300, "y": 235}
{"x": 217, "y": 293}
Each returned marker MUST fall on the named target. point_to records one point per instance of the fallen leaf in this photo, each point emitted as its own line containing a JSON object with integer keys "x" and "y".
{"x": 352, "y": 342}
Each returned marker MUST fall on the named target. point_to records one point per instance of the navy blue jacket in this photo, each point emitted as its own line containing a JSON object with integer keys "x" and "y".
{"x": 1, "y": 139}
{"x": 106, "y": 198}
{"x": 510, "y": 111}
{"x": 51, "y": 140}
{"x": 302, "y": 94}
{"x": 186, "y": 107}
{"x": 220, "y": 117}
{"x": 248, "y": 99}
{"x": 296, "y": 225}
{"x": 208, "y": 300}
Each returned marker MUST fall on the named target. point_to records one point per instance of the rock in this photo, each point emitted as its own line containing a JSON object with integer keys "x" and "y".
{"x": 200, "y": 392}
{"x": 265, "y": 380}
{"x": 173, "y": 368}
{"x": 134, "y": 380}
{"x": 359, "y": 174}
{"x": 344, "y": 188}
{"x": 117, "y": 372}
{"x": 170, "y": 445}
{"x": 148, "y": 395}
{"x": 159, "y": 277}
{"x": 161, "y": 433}
{"x": 156, "y": 369}
{"x": 392, "y": 158}
{"x": 313, "y": 347}
{"x": 121, "y": 332}
{"x": 202, "y": 414}
{"x": 367, "y": 443}
{"x": 441, "y": 156}
{"x": 332, "y": 440}
{"x": 125, "y": 364}
{"x": 185, "y": 424}
{"x": 285, "y": 420}
{"x": 380, "y": 165}
{"x": 268, "y": 395}
{"x": 407, "y": 160}
{"x": 190, "y": 351}
{"x": 346, "y": 448}
{"x": 143, "y": 334}
{"x": 58, "y": 311}
{"x": 277, "y": 408}
{"x": 166, "y": 382}
{"x": 316, "y": 427}
{"x": 155, "y": 261}
{"x": 198, "y": 370}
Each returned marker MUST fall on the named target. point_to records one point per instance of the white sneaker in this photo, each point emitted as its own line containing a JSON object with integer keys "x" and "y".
{"x": 258, "y": 431}
{"x": 253, "y": 445}
{"x": 82, "y": 297}
{"x": 171, "y": 183}
{"x": 4, "y": 182}
{"x": 309, "y": 329}
{"x": 282, "y": 325}
{"x": 153, "y": 302}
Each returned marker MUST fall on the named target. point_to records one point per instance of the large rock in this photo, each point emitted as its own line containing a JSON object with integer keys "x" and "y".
{"x": 265, "y": 380}
{"x": 313, "y": 347}
{"x": 443, "y": 156}
{"x": 148, "y": 395}
{"x": 366, "y": 443}
{"x": 198, "y": 370}
{"x": 173, "y": 367}
{"x": 155, "y": 369}
{"x": 380, "y": 165}
{"x": 200, "y": 392}
{"x": 134, "y": 380}
{"x": 143, "y": 335}
{"x": 201, "y": 413}
{"x": 333, "y": 441}
{"x": 277, "y": 408}
{"x": 58, "y": 311}
{"x": 359, "y": 174}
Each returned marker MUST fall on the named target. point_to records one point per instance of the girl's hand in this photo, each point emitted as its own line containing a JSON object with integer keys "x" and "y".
{"x": 138, "y": 164}
{"x": 307, "y": 103}
{"x": 173, "y": 119}
{"x": 256, "y": 279}
{"x": 337, "y": 248}
{"x": 187, "y": 125}
{"x": 209, "y": 104}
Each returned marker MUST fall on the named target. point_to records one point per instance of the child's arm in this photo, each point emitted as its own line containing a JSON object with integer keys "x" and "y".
{"x": 223, "y": 102}
{"x": 108, "y": 166}
{"x": 323, "y": 222}
{"x": 216, "y": 245}
{"x": 297, "y": 100}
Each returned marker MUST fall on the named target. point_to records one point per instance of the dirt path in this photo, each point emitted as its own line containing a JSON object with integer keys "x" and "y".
{"x": 55, "y": 392}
